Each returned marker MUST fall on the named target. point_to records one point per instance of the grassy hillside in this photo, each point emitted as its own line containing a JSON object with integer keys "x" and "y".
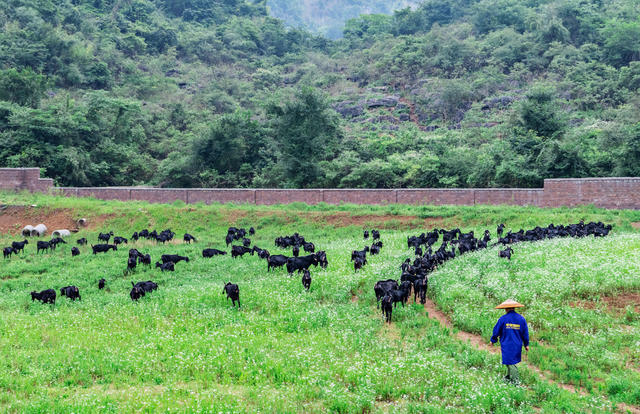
{"x": 218, "y": 93}
{"x": 185, "y": 348}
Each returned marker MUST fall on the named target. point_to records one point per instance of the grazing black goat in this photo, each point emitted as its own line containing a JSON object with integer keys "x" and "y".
{"x": 233, "y": 292}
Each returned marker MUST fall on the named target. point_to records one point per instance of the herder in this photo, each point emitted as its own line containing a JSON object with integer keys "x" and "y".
{"x": 513, "y": 333}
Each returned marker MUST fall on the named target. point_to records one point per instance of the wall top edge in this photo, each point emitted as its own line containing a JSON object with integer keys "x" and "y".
{"x": 300, "y": 189}
{"x": 594, "y": 179}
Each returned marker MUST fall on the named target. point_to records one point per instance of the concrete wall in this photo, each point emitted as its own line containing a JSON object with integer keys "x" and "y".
{"x": 615, "y": 193}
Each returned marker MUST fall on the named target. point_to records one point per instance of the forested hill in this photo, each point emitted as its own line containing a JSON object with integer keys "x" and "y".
{"x": 218, "y": 93}
{"x": 327, "y": 17}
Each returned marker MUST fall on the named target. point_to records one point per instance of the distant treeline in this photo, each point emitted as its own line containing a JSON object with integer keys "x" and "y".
{"x": 216, "y": 93}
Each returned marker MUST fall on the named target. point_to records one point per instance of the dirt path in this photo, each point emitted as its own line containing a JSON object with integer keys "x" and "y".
{"x": 479, "y": 342}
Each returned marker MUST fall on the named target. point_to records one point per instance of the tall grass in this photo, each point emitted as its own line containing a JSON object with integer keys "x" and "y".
{"x": 577, "y": 335}
{"x": 185, "y": 348}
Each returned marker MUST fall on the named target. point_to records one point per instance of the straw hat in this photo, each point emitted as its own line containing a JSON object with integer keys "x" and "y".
{"x": 509, "y": 303}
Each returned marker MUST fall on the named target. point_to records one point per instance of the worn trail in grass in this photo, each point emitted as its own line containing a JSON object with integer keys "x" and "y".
{"x": 479, "y": 342}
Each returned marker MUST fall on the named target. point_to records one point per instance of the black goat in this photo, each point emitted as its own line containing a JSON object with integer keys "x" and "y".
{"x": 387, "y": 307}
{"x": 102, "y": 248}
{"x": 7, "y": 251}
{"x": 46, "y": 296}
{"x": 212, "y": 252}
{"x": 506, "y": 253}
{"x": 420, "y": 289}
{"x": 19, "y": 246}
{"x": 43, "y": 245}
{"x": 276, "y": 260}
{"x": 119, "y": 240}
{"x": 175, "y": 258}
{"x": 145, "y": 259}
{"x": 383, "y": 287}
{"x": 233, "y": 292}
{"x": 166, "y": 267}
{"x": 306, "y": 279}
{"x": 136, "y": 292}
{"x": 301, "y": 263}
{"x": 240, "y": 251}
{"x": 72, "y": 292}
{"x": 105, "y": 236}
{"x": 132, "y": 262}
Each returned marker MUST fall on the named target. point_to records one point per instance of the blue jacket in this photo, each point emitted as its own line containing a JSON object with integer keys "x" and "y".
{"x": 513, "y": 332}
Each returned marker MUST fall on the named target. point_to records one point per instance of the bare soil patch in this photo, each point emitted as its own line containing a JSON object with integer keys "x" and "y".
{"x": 616, "y": 303}
{"x": 623, "y": 300}
{"x": 635, "y": 225}
{"x": 345, "y": 219}
{"x": 232, "y": 215}
{"x": 341, "y": 219}
{"x": 14, "y": 218}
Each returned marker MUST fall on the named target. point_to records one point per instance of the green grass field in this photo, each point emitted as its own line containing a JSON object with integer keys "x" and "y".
{"x": 184, "y": 348}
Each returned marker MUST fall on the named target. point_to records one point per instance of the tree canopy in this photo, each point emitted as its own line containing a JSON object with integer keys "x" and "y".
{"x": 444, "y": 93}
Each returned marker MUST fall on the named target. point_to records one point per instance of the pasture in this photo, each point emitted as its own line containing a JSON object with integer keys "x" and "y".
{"x": 185, "y": 348}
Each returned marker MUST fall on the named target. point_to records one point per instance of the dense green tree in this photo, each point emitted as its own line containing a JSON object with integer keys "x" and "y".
{"x": 216, "y": 92}
{"x": 622, "y": 41}
{"x": 307, "y": 132}
{"x": 232, "y": 141}
{"x": 23, "y": 87}
{"x": 540, "y": 112}
{"x": 628, "y": 163}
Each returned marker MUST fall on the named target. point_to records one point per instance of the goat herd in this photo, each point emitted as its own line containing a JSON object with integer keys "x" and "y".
{"x": 414, "y": 275}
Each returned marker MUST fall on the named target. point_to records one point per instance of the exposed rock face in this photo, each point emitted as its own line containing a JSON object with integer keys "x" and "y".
{"x": 386, "y": 102}
{"x": 499, "y": 102}
{"x": 348, "y": 109}
{"x": 382, "y": 119}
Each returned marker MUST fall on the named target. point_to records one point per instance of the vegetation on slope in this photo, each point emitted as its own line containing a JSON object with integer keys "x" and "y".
{"x": 327, "y": 17}
{"x": 185, "y": 347}
{"x": 214, "y": 93}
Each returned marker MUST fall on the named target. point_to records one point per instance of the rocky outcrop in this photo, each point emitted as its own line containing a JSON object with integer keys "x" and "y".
{"x": 500, "y": 102}
{"x": 386, "y": 102}
{"x": 348, "y": 109}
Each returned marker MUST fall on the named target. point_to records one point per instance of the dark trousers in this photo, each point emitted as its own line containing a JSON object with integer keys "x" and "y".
{"x": 512, "y": 374}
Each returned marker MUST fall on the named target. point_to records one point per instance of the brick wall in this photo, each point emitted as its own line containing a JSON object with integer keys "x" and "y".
{"x": 437, "y": 197}
{"x": 612, "y": 193}
{"x": 360, "y": 196}
{"x": 24, "y": 179}
{"x": 214, "y": 195}
{"x": 512, "y": 196}
{"x": 276, "y": 196}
